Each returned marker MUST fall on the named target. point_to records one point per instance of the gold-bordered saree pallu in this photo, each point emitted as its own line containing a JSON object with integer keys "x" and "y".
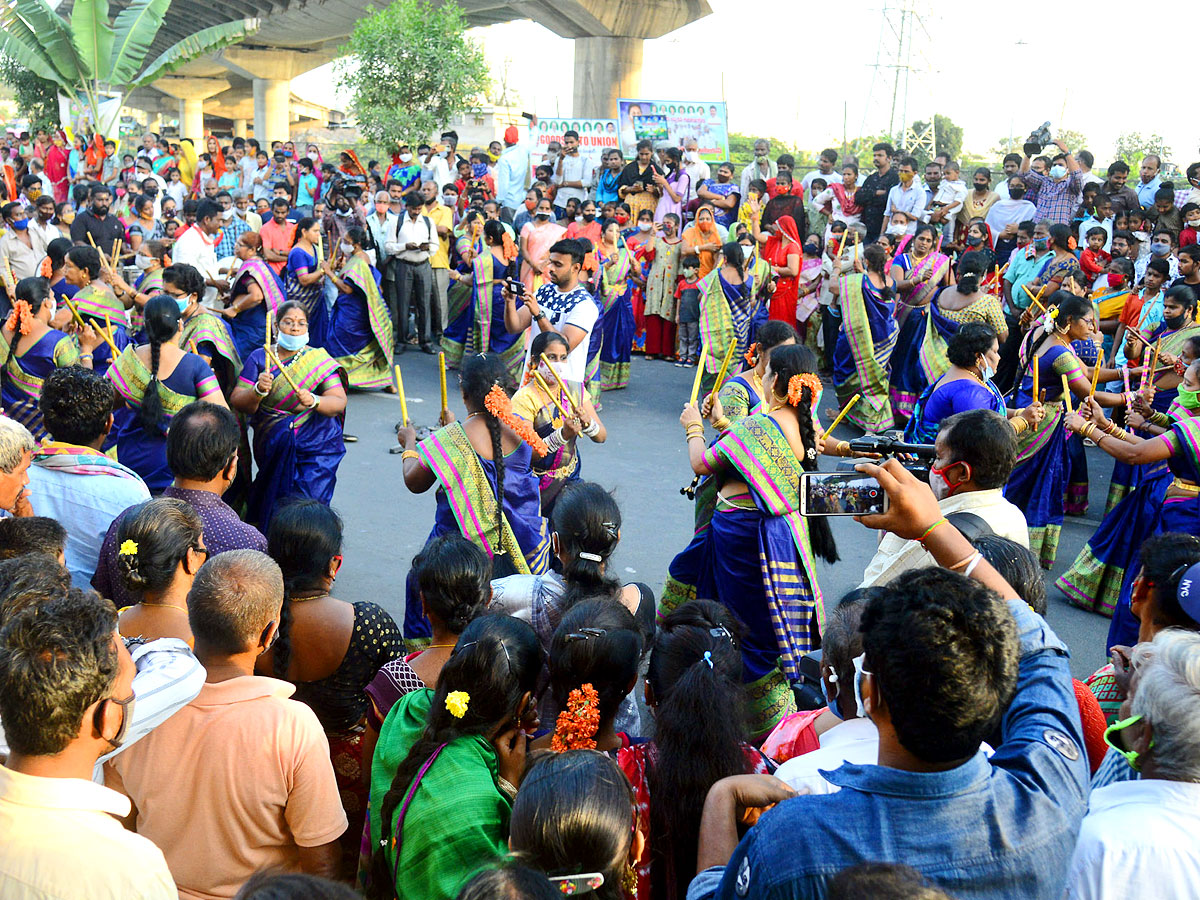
{"x": 24, "y": 375}
{"x": 369, "y": 368}
{"x": 867, "y": 373}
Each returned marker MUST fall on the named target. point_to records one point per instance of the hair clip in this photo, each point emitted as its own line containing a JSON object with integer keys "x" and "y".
{"x": 584, "y": 634}
{"x": 577, "y": 884}
{"x": 708, "y": 658}
{"x": 720, "y": 632}
{"x": 590, "y": 557}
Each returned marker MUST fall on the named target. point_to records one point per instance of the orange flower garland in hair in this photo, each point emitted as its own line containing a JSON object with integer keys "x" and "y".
{"x": 797, "y": 384}
{"x": 751, "y": 357}
{"x": 499, "y": 405}
{"x": 509, "y": 248}
{"x": 578, "y": 723}
{"x": 45, "y": 269}
{"x": 21, "y": 318}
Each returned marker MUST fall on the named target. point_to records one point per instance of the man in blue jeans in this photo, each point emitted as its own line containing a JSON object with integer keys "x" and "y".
{"x": 946, "y": 661}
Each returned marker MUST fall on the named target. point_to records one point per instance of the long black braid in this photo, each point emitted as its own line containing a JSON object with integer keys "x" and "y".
{"x": 787, "y": 361}
{"x": 480, "y": 374}
{"x": 497, "y": 662}
{"x": 162, "y": 324}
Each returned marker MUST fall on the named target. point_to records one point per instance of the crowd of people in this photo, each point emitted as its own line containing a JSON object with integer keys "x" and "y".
{"x": 182, "y": 693}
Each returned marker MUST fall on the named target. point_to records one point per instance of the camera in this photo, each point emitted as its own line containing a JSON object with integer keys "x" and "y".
{"x": 892, "y": 443}
{"x": 515, "y": 287}
{"x": 1039, "y": 138}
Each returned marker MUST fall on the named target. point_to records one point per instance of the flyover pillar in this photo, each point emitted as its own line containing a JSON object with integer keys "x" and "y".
{"x": 191, "y": 93}
{"x": 239, "y": 128}
{"x": 271, "y": 113}
{"x": 605, "y": 68}
{"x": 271, "y": 72}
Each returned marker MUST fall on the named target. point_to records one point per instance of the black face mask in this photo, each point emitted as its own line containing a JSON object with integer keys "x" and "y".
{"x": 1016, "y": 194}
{"x": 1174, "y": 323}
{"x": 587, "y": 217}
{"x": 981, "y": 187}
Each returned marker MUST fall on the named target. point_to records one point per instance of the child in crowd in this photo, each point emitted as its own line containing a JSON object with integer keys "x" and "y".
{"x": 1191, "y": 224}
{"x": 948, "y": 201}
{"x": 688, "y": 311}
{"x": 1099, "y": 217}
{"x": 1113, "y": 293}
{"x": 817, "y": 213}
{"x": 1165, "y": 214}
{"x": 1139, "y": 227}
{"x": 1094, "y": 259}
{"x": 1143, "y": 310}
{"x": 758, "y": 191}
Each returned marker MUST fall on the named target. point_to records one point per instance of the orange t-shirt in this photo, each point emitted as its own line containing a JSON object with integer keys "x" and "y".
{"x": 236, "y": 781}
{"x": 278, "y": 238}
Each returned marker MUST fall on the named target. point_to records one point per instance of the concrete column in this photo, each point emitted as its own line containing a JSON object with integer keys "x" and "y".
{"x": 191, "y": 118}
{"x": 605, "y": 68}
{"x": 191, "y": 94}
{"x": 271, "y": 109}
{"x": 239, "y": 128}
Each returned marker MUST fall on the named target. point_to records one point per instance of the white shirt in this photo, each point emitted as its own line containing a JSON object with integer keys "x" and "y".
{"x": 698, "y": 172}
{"x": 380, "y": 232}
{"x": 853, "y": 741}
{"x": 910, "y": 201}
{"x": 950, "y": 192}
{"x": 896, "y": 555}
{"x": 1092, "y": 222}
{"x": 807, "y": 180}
{"x": 1138, "y": 840}
{"x": 177, "y": 191}
{"x": 42, "y": 235}
{"x": 574, "y": 168}
{"x": 198, "y": 249}
{"x": 572, "y": 308}
{"x": 62, "y": 839}
{"x": 407, "y": 231}
{"x": 248, "y": 166}
{"x": 753, "y": 171}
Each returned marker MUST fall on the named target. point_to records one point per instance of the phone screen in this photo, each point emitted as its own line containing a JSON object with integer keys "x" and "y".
{"x": 840, "y": 494}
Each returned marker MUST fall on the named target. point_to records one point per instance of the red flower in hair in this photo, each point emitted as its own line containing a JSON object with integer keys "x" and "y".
{"x": 21, "y": 318}
{"x": 797, "y": 384}
{"x": 578, "y": 723}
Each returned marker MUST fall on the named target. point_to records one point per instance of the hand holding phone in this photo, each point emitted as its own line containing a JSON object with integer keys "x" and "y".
{"x": 841, "y": 494}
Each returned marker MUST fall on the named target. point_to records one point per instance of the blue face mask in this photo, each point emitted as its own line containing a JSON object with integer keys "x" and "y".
{"x": 20, "y": 224}
{"x": 1058, "y": 171}
{"x": 293, "y": 342}
{"x": 184, "y": 303}
{"x": 831, "y": 702}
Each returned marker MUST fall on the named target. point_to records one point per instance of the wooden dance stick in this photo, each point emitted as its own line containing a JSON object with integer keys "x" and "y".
{"x": 1067, "y": 393}
{"x": 442, "y": 379}
{"x": 400, "y": 391}
{"x": 82, "y": 324}
{"x": 1095, "y": 378}
{"x": 845, "y": 410}
{"x": 562, "y": 384}
{"x": 699, "y": 373}
{"x": 541, "y": 382}
{"x": 724, "y": 368}
{"x": 282, "y": 371}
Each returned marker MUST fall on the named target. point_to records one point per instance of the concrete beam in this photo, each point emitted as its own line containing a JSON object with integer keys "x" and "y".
{"x": 605, "y": 68}
{"x": 191, "y": 93}
{"x": 611, "y": 18}
{"x": 272, "y": 64}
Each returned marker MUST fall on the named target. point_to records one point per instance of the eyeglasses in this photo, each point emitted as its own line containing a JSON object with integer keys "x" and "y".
{"x": 117, "y": 738}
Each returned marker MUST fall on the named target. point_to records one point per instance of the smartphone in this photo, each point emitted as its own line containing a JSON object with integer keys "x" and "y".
{"x": 841, "y": 494}
{"x": 517, "y": 288}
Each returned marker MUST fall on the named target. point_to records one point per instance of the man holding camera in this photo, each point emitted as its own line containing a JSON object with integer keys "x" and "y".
{"x": 1060, "y": 191}
{"x": 562, "y": 305}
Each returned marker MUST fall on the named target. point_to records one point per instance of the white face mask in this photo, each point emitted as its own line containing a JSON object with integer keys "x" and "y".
{"x": 312, "y": 154}
{"x": 143, "y": 262}
{"x": 227, "y": 214}
{"x": 293, "y": 342}
{"x": 645, "y": 226}
{"x": 690, "y": 156}
{"x": 405, "y": 157}
{"x": 897, "y": 229}
{"x": 347, "y": 248}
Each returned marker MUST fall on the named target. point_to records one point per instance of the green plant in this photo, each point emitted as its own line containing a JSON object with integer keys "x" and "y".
{"x": 410, "y": 67}
{"x": 35, "y": 97}
{"x": 88, "y": 55}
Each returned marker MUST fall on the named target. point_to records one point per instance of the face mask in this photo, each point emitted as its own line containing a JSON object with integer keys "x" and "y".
{"x": 1016, "y": 193}
{"x": 1189, "y": 399}
{"x": 1058, "y": 170}
{"x": 531, "y": 205}
{"x": 1160, "y": 249}
{"x": 450, "y": 199}
{"x": 346, "y": 247}
{"x": 405, "y": 157}
{"x": 621, "y": 218}
{"x": 20, "y": 224}
{"x": 227, "y": 214}
{"x": 312, "y": 154}
{"x": 1174, "y": 323}
{"x": 287, "y": 153}
{"x": 543, "y": 216}
{"x": 942, "y": 488}
{"x": 293, "y": 341}
{"x": 1131, "y": 756}
{"x": 689, "y": 273}
{"x": 974, "y": 240}
{"x": 645, "y": 226}
{"x": 343, "y": 212}
{"x": 68, "y": 216}
{"x": 143, "y": 262}
{"x": 897, "y": 229}
{"x": 810, "y": 250}
{"x": 831, "y": 702}
{"x": 479, "y": 169}
{"x": 986, "y": 371}
{"x": 182, "y": 302}
{"x": 1115, "y": 279}
{"x": 1194, "y": 224}
{"x": 690, "y": 156}
{"x": 906, "y": 178}
{"x": 861, "y": 708}
{"x": 381, "y": 207}
{"x": 579, "y": 218}
{"x": 1040, "y": 244}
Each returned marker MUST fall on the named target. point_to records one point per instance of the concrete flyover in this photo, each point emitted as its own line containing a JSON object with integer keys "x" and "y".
{"x": 250, "y": 81}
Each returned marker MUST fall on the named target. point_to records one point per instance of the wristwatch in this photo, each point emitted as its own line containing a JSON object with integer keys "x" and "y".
{"x": 539, "y": 316}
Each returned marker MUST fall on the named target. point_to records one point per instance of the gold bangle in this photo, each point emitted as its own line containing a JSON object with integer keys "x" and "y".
{"x": 842, "y": 448}
{"x": 409, "y": 454}
{"x": 1018, "y": 424}
{"x": 721, "y": 424}
{"x": 694, "y": 429}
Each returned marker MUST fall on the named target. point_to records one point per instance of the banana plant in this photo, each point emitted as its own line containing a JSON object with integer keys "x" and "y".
{"x": 88, "y": 55}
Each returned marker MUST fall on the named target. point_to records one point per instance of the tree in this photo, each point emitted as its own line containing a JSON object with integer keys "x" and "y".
{"x": 741, "y": 148}
{"x": 88, "y": 56}
{"x": 410, "y": 68}
{"x": 36, "y": 98}
{"x": 1132, "y": 146}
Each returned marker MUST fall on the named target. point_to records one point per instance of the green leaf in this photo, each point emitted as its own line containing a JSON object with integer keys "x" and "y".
{"x": 93, "y": 36}
{"x": 202, "y": 42}
{"x": 136, "y": 28}
{"x": 35, "y": 36}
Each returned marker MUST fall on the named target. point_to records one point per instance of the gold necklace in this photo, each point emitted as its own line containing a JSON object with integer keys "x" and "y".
{"x": 165, "y": 605}
{"x": 317, "y": 596}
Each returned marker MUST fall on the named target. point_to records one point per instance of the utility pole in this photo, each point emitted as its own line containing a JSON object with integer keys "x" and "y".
{"x": 902, "y": 39}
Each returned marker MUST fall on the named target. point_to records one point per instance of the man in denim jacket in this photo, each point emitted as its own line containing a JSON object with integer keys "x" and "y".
{"x": 945, "y": 661}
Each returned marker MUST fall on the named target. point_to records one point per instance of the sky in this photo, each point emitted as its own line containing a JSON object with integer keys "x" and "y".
{"x": 800, "y": 87}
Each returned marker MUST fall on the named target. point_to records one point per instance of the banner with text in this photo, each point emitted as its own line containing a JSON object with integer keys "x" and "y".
{"x": 595, "y": 136}
{"x": 673, "y": 122}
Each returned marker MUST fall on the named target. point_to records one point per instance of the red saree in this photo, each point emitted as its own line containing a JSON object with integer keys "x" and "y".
{"x": 783, "y": 243}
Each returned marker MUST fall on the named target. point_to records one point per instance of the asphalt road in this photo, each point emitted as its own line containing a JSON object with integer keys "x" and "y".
{"x": 644, "y": 463}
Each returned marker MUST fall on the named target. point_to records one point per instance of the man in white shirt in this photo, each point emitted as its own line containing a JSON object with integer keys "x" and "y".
{"x": 908, "y": 196}
{"x": 512, "y": 170}
{"x": 1086, "y": 161}
{"x": 562, "y": 305}
{"x": 976, "y": 452}
{"x": 762, "y": 167}
{"x": 1139, "y": 836}
{"x": 66, "y": 698}
{"x": 197, "y": 246}
{"x": 948, "y": 201}
{"x": 825, "y": 169}
{"x": 572, "y": 174}
{"x": 697, "y": 169}
{"x": 413, "y": 241}
{"x": 41, "y": 229}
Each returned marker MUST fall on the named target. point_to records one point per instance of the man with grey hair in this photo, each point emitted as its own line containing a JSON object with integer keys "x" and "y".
{"x": 1149, "y": 180}
{"x": 16, "y": 452}
{"x": 698, "y": 170}
{"x": 241, "y": 745}
{"x": 381, "y": 220}
{"x": 763, "y": 166}
{"x": 1139, "y": 836}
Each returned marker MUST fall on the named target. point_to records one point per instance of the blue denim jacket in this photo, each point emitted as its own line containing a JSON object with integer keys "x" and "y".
{"x": 996, "y": 829}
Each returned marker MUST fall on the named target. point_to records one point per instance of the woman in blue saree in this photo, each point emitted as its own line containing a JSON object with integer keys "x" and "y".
{"x": 95, "y": 302}
{"x": 918, "y": 274}
{"x": 1177, "y": 509}
{"x": 479, "y": 326}
{"x": 760, "y": 555}
{"x": 616, "y": 263}
{"x": 305, "y": 278}
{"x": 201, "y": 330}
{"x": 1099, "y": 580}
{"x": 866, "y": 341}
{"x": 256, "y": 291}
{"x": 360, "y": 332}
{"x": 973, "y": 353}
{"x": 157, "y": 380}
{"x": 1038, "y": 482}
{"x": 487, "y": 490}
{"x": 33, "y": 350}
{"x": 297, "y": 430}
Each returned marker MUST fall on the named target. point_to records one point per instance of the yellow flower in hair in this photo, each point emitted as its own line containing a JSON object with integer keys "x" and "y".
{"x": 129, "y": 548}
{"x": 456, "y": 703}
